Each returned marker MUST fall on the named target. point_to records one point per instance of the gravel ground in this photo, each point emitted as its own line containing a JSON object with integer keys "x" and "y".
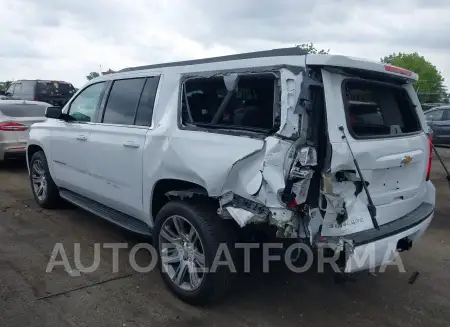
{"x": 29, "y": 295}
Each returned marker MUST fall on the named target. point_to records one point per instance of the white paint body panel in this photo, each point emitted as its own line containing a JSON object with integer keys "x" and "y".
{"x": 101, "y": 168}
{"x": 395, "y": 189}
{"x": 383, "y": 252}
{"x": 115, "y": 157}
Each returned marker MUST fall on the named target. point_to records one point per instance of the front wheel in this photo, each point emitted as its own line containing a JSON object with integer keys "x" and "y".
{"x": 45, "y": 191}
{"x": 187, "y": 237}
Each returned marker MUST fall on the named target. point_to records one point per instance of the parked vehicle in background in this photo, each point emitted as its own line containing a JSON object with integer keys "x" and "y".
{"x": 16, "y": 117}
{"x": 438, "y": 119}
{"x": 326, "y": 150}
{"x": 57, "y": 93}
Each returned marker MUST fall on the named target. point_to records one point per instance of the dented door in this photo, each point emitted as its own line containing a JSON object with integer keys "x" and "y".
{"x": 393, "y": 166}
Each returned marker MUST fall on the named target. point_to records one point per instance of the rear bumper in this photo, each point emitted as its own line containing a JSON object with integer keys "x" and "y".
{"x": 11, "y": 150}
{"x": 384, "y": 251}
{"x": 374, "y": 248}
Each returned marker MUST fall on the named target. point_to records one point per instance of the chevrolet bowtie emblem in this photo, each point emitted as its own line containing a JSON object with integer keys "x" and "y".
{"x": 406, "y": 160}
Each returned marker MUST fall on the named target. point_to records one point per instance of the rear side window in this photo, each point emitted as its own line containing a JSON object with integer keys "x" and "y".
{"x": 206, "y": 102}
{"x": 123, "y": 101}
{"x": 378, "y": 109}
{"x": 54, "y": 89}
{"x": 147, "y": 101}
{"x": 23, "y": 110}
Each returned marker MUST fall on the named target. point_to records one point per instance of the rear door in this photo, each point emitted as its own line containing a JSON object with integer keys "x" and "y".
{"x": 385, "y": 133}
{"x": 117, "y": 143}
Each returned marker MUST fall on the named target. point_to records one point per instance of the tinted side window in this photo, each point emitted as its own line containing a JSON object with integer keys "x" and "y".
{"x": 123, "y": 101}
{"x": 145, "y": 108}
{"x": 28, "y": 88}
{"x": 85, "y": 104}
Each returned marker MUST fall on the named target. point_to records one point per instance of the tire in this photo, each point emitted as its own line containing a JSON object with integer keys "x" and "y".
{"x": 212, "y": 231}
{"x": 38, "y": 166}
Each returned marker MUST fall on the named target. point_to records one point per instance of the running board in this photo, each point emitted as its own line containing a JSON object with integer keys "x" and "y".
{"x": 116, "y": 217}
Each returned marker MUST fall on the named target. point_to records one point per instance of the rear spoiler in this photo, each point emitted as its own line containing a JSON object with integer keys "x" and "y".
{"x": 360, "y": 64}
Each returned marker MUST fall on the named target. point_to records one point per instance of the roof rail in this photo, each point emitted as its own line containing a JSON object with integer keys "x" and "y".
{"x": 293, "y": 51}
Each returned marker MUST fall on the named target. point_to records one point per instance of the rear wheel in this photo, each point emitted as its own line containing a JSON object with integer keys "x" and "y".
{"x": 187, "y": 237}
{"x": 45, "y": 191}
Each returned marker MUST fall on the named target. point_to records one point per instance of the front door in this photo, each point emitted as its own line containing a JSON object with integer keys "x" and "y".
{"x": 70, "y": 140}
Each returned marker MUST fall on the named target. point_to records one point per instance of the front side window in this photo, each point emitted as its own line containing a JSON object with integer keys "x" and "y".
{"x": 123, "y": 101}
{"x": 206, "y": 102}
{"x": 84, "y": 106}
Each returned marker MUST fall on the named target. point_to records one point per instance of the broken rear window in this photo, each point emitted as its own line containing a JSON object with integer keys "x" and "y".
{"x": 378, "y": 109}
{"x": 250, "y": 105}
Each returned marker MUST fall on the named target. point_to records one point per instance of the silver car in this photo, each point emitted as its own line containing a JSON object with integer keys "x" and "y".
{"x": 16, "y": 117}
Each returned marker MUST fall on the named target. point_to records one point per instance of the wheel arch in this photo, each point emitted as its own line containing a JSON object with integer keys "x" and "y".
{"x": 169, "y": 188}
{"x": 31, "y": 150}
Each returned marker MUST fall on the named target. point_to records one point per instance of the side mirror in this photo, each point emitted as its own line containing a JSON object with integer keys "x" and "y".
{"x": 53, "y": 112}
{"x": 56, "y": 113}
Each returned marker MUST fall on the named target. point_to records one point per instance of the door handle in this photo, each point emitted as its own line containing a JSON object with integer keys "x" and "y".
{"x": 130, "y": 144}
{"x": 82, "y": 137}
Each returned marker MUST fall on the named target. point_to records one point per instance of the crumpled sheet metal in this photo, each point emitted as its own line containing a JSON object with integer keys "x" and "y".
{"x": 243, "y": 178}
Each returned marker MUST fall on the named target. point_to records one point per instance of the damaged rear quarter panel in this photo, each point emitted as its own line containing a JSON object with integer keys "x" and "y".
{"x": 228, "y": 164}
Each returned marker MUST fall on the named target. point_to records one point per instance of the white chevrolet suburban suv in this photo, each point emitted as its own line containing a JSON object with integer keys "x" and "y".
{"x": 327, "y": 150}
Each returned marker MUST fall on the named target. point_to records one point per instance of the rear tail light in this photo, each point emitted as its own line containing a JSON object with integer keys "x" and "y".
{"x": 12, "y": 126}
{"x": 398, "y": 70}
{"x": 430, "y": 157}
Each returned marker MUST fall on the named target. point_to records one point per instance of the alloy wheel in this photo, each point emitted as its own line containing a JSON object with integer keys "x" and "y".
{"x": 39, "y": 180}
{"x": 182, "y": 253}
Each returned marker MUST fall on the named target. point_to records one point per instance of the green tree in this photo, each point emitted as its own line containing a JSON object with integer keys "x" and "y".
{"x": 310, "y": 48}
{"x": 92, "y": 75}
{"x": 430, "y": 87}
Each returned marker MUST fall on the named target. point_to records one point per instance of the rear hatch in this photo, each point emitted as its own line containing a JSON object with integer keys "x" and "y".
{"x": 381, "y": 117}
{"x": 56, "y": 93}
{"x": 16, "y": 118}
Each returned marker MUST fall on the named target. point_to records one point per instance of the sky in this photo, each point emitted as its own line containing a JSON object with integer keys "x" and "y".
{"x": 67, "y": 39}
